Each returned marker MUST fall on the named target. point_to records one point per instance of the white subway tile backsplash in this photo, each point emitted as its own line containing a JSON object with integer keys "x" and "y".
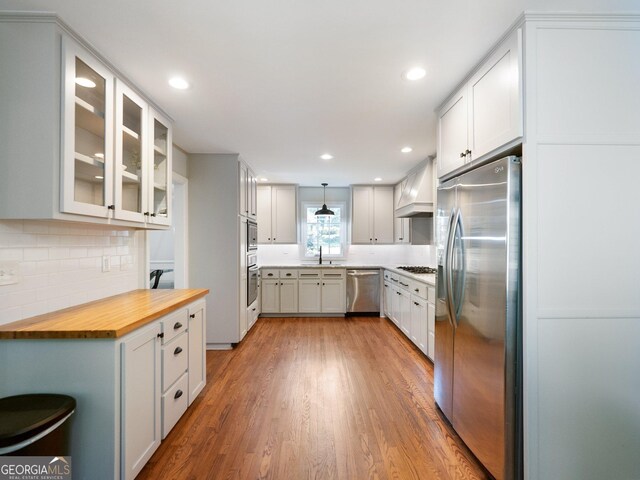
{"x": 61, "y": 265}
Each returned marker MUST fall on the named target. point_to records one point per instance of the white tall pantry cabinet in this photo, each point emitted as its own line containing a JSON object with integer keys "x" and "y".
{"x": 219, "y": 188}
{"x": 578, "y": 78}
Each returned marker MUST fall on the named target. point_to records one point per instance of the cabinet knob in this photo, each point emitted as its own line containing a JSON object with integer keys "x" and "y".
{"x": 146, "y": 214}
{"x": 467, "y": 152}
{"x": 274, "y": 239}
{"x": 371, "y": 239}
{"x": 462, "y": 155}
{"x": 322, "y": 283}
{"x": 177, "y": 326}
{"x": 111, "y": 207}
{"x": 398, "y": 293}
{"x": 417, "y": 290}
{"x": 269, "y": 238}
{"x": 253, "y": 309}
{"x": 153, "y": 215}
{"x": 400, "y": 239}
{"x": 178, "y": 394}
{"x": 161, "y": 335}
{"x": 193, "y": 315}
{"x": 416, "y": 303}
{"x": 178, "y": 350}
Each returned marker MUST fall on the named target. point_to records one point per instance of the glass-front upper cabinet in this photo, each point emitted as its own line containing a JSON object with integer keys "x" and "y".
{"x": 160, "y": 169}
{"x": 131, "y": 155}
{"x": 87, "y": 171}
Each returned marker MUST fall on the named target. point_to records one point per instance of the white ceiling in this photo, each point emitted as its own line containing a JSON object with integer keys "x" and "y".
{"x": 282, "y": 82}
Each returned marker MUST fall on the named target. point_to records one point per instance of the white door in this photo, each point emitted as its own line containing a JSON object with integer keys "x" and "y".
{"x": 405, "y": 311}
{"x": 284, "y": 214}
{"x": 87, "y": 168}
{"x": 251, "y": 194}
{"x": 383, "y": 215}
{"x": 494, "y": 100}
{"x": 395, "y": 305}
{"x": 309, "y": 294}
{"x": 263, "y": 208}
{"x": 197, "y": 358}
{"x": 387, "y": 299}
{"x": 334, "y": 298}
{"x": 453, "y": 134}
{"x": 132, "y": 165}
{"x": 270, "y": 296}
{"x": 242, "y": 188}
{"x": 361, "y": 214}
{"x": 140, "y": 415}
{"x": 288, "y": 296}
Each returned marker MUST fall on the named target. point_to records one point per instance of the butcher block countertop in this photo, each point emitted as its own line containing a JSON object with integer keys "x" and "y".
{"x": 110, "y": 317}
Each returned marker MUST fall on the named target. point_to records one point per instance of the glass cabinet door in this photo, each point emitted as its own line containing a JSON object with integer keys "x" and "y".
{"x": 160, "y": 174}
{"x": 87, "y": 161}
{"x": 131, "y": 155}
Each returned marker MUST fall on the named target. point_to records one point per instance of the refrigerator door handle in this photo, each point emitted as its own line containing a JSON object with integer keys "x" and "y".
{"x": 455, "y": 215}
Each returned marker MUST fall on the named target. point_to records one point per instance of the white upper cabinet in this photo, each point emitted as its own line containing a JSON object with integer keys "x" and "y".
{"x": 252, "y": 183}
{"x": 372, "y": 214}
{"x": 160, "y": 146}
{"x": 131, "y": 166}
{"x": 276, "y": 214}
{"x": 87, "y": 164}
{"x": 401, "y": 226}
{"x": 485, "y": 114}
{"x": 88, "y": 153}
{"x": 244, "y": 190}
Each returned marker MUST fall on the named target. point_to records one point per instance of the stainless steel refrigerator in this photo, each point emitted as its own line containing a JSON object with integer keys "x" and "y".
{"x": 478, "y": 333}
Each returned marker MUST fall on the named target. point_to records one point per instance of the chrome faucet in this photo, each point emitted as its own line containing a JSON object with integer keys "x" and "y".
{"x": 320, "y": 258}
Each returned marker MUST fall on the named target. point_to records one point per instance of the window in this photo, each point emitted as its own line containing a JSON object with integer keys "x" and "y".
{"x": 325, "y": 232}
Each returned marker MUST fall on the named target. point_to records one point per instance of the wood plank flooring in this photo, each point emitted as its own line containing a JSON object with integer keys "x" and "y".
{"x": 321, "y": 398}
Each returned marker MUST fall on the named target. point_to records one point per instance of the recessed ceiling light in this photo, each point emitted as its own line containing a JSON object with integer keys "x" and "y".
{"x": 85, "y": 82}
{"x": 377, "y": 179}
{"x": 406, "y": 150}
{"x": 179, "y": 83}
{"x": 326, "y": 156}
{"x": 264, "y": 179}
{"x": 415, "y": 73}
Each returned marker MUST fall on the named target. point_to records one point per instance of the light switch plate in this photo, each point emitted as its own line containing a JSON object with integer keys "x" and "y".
{"x": 9, "y": 273}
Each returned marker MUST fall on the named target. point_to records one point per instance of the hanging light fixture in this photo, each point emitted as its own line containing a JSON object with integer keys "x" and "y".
{"x": 324, "y": 211}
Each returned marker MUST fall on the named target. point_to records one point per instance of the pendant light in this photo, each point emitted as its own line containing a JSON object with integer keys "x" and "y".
{"x": 324, "y": 211}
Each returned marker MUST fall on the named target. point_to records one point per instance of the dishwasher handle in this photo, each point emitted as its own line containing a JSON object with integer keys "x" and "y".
{"x": 362, "y": 273}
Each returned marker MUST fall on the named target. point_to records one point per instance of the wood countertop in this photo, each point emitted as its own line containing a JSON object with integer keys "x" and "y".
{"x": 110, "y": 317}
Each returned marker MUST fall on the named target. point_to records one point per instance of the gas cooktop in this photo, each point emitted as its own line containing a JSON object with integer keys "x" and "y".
{"x": 419, "y": 270}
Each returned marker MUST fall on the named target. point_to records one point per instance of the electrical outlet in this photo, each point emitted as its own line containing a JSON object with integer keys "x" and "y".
{"x": 106, "y": 263}
{"x": 9, "y": 273}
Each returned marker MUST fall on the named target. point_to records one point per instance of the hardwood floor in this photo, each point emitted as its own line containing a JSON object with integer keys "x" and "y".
{"x": 318, "y": 398}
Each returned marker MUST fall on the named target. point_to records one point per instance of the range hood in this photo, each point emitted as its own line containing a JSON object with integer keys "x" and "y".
{"x": 418, "y": 192}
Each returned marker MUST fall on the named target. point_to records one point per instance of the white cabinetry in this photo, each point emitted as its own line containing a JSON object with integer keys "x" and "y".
{"x": 248, "y": 197}
{"x": 401, "y": 226}
{"x": 197, "y": 353}
{"x": 89, "y": 152}
{"x": 372, "y": 214}
{"x": 410, "y": 305}
{"x": 308, "y": 290}
{"x": 141, "y": 394}
{"x": 276, "y": 214}
{"x": 486, "y": 113}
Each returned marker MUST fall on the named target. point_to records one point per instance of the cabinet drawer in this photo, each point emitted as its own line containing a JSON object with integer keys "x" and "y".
{"x": 289, "y": 273}
{"x": 174, "y": 404}
{"x": 308, "y": 273}
{"x": 404, "y": 282}
{"x": 174, "y": 324}
{"x": 175, "y": 360}
{"x": 268, "y": 273}
{"x": 333, "y": 273}
{"x": 419, "y": 289}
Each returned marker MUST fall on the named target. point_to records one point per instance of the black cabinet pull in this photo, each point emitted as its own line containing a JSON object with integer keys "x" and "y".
{"x": 416, "y": 303}
{"x": 178, "y": 394}
{"x": 398, "y": 293}
{"x": 269, "y": 274}
{"x": 146, "y": 214}
{"x": 404, "y": 284}
{"x": 417, "y": 290}
{"x": 111, "y": 207}
{"x": 178, "y": 350}
{"x": 462, "y": 155}
{"x": 193, "y": 315}
{"x": 288, "y": 274}
{"x": 318, "y": 283}
{"x": 467, "y": 152}
{"x": 268, "y": 238}
{"x": 161, "y": 335}
{"x": 253, "y": 309}
{"x": 177, "y": 326}
{"x": 153, "y": 214}
{"x": 400, "y": 238}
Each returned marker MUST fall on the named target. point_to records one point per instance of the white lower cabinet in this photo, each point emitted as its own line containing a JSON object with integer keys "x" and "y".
{"x": 140, "y": 399}
{"x": 197, "y": 349}
{"x": 410, "y": 304}
{"x": 309, "y": 290}
{"x": 309, "y": 295}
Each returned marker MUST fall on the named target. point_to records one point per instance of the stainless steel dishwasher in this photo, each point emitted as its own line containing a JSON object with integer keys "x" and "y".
{"x": 363, "y": 290}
